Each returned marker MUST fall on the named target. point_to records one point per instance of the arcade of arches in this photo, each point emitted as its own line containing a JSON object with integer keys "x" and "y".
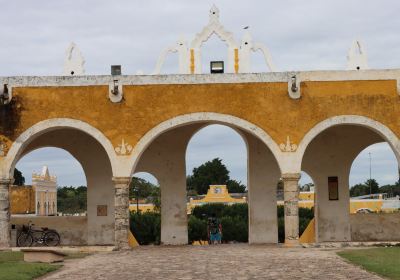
{"x": 337, "y": 116}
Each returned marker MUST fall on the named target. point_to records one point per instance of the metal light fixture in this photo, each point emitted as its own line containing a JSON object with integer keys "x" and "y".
{"x": 216, "y": 67}
{"x": 294, "y": 86}
{"x": 116, "y": 70}
{"x": 115, "y": 91}
{"x": 4, "y": 95}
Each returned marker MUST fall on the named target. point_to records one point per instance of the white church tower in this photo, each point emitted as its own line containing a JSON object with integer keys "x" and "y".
{"x": 45, "y": 187}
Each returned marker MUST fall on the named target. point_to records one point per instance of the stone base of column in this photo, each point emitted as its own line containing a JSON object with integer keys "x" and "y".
{"x": 5, "y": 213}
{"x": 291, "y": 244}
{"x": 291, "y": 196}
{"x": 121, "y": 212}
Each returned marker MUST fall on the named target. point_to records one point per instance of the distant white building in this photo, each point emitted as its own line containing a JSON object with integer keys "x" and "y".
{"x": 45, "y": 187}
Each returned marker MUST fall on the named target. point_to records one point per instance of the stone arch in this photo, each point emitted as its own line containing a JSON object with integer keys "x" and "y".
{"x": 382, "y": 130}
{"x": 327, "y": 152}
{"x": 42, "y": 127}
{"x": 98, "y": 160}
{"x": 192, "y": 118}
{"x": 161, "y": 151}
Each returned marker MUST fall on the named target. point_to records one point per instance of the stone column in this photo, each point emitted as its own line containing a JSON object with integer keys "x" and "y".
{"x": 291, "y": 197}
{"x": 263, "y": 175}
{"x": 4, "y": 213}
{"x": 121, "y": 211}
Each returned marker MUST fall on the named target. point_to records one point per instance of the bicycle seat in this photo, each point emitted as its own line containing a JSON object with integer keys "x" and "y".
{"x": 45, "y": 228}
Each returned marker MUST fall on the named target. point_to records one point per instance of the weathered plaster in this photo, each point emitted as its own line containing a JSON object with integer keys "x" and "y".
{"x": 375, "y": 227}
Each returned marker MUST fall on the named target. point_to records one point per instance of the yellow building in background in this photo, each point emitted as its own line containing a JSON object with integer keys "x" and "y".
{"x": 39, "y": 199}
{"x": 220, "y": 194}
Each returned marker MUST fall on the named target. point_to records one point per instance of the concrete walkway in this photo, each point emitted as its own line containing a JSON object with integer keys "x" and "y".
{"x": 212, "y": 262}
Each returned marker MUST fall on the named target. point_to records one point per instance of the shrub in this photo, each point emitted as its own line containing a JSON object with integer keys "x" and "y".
{"x": 206, "y": 210}
{"x": 146, "y": 227}
{"x": 234, "y": 219}
{"x": 234, "y": 229}
{"x": 197, "y": 229}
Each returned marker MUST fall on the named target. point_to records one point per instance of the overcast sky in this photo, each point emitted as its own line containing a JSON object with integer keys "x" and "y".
{"x": 301, "y": 35}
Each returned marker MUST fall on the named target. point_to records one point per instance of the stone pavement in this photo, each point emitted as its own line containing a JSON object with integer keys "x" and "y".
{"x": 212, "y": 262}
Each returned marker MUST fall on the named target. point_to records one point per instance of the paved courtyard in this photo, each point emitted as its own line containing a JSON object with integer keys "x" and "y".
{"x": 212, "y": 262}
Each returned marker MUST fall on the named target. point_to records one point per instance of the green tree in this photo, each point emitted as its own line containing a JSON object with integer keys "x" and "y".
{"x": 212, "y": 172}
{"x": 19, "y": 180}
{"x": 235, "y": 186}
{"x": 71, "y": 200}
{"x": 370, "y": 186}
{"x": 141, "y": 188}
{"x": 391, "y": 190}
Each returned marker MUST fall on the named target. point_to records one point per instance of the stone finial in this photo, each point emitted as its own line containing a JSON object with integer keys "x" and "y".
{"x": 179, "y": 47}
{"x": 248, "y": 46}
{"x": 74, "y": 61}
{"x": 357, "y": 57}
{"x": 214, "y": 13}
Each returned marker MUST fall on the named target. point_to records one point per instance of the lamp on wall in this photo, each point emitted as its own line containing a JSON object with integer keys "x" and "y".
{"x": 116, "y": 70}
{"x": 294, "y": 86}
{"x": 216, "y": 67}
{"x": 4, "y": 95}
{"x": 115, "y": 90}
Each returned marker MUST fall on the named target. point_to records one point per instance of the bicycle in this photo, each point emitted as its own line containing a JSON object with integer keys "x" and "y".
{"x": 46, "y": 236}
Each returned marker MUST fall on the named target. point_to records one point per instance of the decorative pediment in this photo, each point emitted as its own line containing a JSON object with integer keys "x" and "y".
{"x": 214, "y": 27}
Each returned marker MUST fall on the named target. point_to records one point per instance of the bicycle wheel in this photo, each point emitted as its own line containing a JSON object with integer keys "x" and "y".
{"x": 24, "y": 240}
{"x": 51, "y": 238}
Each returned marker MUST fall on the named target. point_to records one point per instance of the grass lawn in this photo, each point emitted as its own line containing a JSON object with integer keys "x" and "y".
{"x": 13, "y": 267}
{"x": 382, "y": 261}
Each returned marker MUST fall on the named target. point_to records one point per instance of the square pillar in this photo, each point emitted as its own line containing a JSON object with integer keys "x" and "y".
{"x": 174, "y": 224}
{"x": 291, "y": 197}
{"x": 5, "y": 212}
{"x": 121, "y": 211}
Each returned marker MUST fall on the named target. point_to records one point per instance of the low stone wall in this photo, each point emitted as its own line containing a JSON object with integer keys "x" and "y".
{"x": 375, "y": 227}
{"x": 72, "y": 230}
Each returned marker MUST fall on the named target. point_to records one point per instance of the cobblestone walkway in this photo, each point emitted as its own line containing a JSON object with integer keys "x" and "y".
{"x": 212, "y": 262}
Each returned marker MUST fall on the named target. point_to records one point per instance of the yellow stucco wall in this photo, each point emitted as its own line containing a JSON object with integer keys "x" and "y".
{"x": 22, "y": 200}
{"x": 266, "y": 105}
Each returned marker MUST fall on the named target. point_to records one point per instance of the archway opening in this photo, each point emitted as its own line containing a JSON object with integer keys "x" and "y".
{"x": 374, "y": 193}
{"x": 75, "y": 224}
{"x": 62, "y": 169}
{"x": 328, "y": 158}
{"x": 145, "y": 208}
{"x": 216, "y": 167}
{"x": 166, "y": 158}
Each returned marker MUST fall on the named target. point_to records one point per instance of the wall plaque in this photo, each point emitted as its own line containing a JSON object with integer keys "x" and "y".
{"x": 333, "y": 188}
{"x": 101, "y": 210}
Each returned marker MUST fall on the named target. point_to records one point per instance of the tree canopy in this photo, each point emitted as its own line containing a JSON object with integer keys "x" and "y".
{"x": 212, "y": 172}
{"x": 19, "y": 179}
{"x": 143, "y": 189}
{"x": 372, "y": 186}
{"x": 71, "y": 200}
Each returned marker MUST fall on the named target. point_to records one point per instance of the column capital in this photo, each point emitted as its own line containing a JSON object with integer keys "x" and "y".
{"x": 291, "y": 176}
{"x": 6, "y": 181}
{"x": 121, "y": 180}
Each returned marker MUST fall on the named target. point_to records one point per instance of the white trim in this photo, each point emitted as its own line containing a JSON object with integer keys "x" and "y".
{"x": 187, "y": 119}
{"x": 126, "y": 80}
{"x": 376, "y": 126}
{"x": 42, "y": 127}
